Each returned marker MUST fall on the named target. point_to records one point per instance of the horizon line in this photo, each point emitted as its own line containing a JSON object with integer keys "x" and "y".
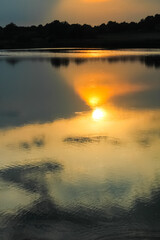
{"x": 82, "y": 24}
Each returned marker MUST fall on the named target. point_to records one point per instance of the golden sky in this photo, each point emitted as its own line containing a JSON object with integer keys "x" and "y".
{"x": 99, "y": 11}
{"x": 29, "y": 12}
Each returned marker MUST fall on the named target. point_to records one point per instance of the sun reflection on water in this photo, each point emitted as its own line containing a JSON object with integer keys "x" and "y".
{"x": 98, "y": 114}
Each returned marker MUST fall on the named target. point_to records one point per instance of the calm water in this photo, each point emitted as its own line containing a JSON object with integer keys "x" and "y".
{"x": 79, "y": 144}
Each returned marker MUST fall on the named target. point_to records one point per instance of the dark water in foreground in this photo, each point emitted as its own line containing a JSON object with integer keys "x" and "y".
{"x": 79, "y": 145}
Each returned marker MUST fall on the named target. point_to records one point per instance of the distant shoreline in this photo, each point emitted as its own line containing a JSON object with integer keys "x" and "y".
{"x": 113, "y": 35}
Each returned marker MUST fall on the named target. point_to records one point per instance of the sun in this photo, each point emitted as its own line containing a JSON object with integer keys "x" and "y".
{"x": 98, "y": 114}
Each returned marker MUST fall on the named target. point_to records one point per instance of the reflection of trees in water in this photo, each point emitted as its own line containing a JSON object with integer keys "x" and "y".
{"x": 57, "y": 62}
{"x": 149, "y": 61}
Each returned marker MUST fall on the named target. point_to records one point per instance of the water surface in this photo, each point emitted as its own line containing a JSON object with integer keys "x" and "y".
{"x": 79, "y": 144}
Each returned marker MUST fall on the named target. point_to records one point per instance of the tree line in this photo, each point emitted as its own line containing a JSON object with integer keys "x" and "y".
{"x": 62, "y": 33}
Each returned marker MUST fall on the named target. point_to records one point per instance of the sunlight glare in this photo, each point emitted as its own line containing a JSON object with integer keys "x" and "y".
{"x": 98, "y": 114}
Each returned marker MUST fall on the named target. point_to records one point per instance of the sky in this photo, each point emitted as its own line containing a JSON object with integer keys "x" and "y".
{"x": 94, "y": 12}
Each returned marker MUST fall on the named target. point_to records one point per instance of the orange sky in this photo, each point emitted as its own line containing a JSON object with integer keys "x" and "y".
{"x": 94, "y": 12}
{"x": 99, "y": 11}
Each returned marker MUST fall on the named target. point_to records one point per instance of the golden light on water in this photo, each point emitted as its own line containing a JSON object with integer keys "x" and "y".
{"x": 97, "y": 87}
{"x": 94, "y": 101}
{"x": 98, "y": 114}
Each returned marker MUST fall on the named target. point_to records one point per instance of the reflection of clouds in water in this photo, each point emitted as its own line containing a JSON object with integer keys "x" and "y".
{"x": 98, "y": 85}
{"x": 93, "y": 139}
{"x": 13, "y": 199}
{"x": 36, "y": 142}
{"x": 110, "y": 204}
{"x": 119, "y": 193}
{"x": 28, "y": 187}
{"x": 116, "y": 189}
{"x": 49, "y": 97}
{"x": 148, "y": 99}
{"x": 32, "y": 93}
{"x": 30, "y": 177}
{"x": 113, "y": 190}
{"x": 147, "y": 138}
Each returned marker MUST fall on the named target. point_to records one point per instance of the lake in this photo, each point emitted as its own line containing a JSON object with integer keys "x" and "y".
{"x": 79, "y": 144}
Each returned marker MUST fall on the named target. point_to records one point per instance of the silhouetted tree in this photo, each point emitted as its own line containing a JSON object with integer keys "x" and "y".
{"x": 59, "y": 33}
